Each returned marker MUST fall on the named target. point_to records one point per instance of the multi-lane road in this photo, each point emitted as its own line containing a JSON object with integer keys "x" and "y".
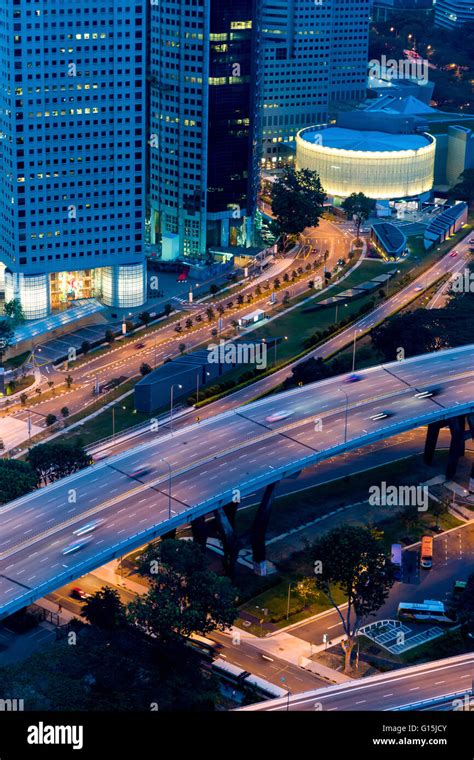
{"x": 163, "y": 483}
{"x": 447, "y": 265}
{"x": 388, "y": 691}
{"x": 162, "y": 343}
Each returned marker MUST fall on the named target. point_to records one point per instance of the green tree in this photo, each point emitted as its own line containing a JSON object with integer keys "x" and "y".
{"x": 16, "y": 479}
{"x": 65, "y": 411}
{"x": 417, "y": 332}
{"x": 145, "y": 369}
{"x": 7, "y": 337}
{"x": 185, "y": 597}
{"x": 182, "y": 348}
{"x": 105, "y": 609}
{"x": 55, "y": 460}
{"x": 167, "y": 309}
{"x": 69, "y": 380}
{"x": 109, "y": 336}
{"x": 464, "y": 189}
{"x": 144, "y": 317}
{"x": 358, "y": 207}
{"x": 210, "y": 313}
{"x": 51, "y": 419}
{"x": 14, "y": 310}
{"x": 297, "y": 200}
{"x": 308, "y": 371}
{"x": 351, "y": 559}
{"x": 85, "y": 347}
{"x": 306, "y": 588}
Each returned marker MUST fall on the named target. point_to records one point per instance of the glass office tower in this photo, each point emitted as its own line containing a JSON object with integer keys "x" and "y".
{"x": 313, "y": 60}
{"x": 72, "y": 151}
{"x": 203, "y": 157}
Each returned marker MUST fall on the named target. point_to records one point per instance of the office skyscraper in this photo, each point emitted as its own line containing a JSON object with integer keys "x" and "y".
{"x": 452, "y": 14}
{"x": 72, "y": 153}
{"x": 203, "y": 157}
{"x": 313, "y": 59}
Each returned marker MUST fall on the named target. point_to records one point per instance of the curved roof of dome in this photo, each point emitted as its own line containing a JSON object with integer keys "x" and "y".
{"x": 358, "y": 140}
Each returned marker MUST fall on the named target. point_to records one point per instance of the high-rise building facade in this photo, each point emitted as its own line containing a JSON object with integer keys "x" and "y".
{"x": 203, "y": 150}
{"x": 72, "y": 151}
{"x": 452, "y": 14}
{"x": 313, "y": 58}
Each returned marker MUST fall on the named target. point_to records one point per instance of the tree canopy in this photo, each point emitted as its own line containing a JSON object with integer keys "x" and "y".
{"x": 16, "y": 479}
{"x": 297, "y": 199}
{"x": 105, "y": 609}
{"x": 185, "y": 597}
{"x": 52, "y": 461}
{"x": 7, "y": 336}
{"x": 358, "y": 207}
{"x": 352, "y": 559}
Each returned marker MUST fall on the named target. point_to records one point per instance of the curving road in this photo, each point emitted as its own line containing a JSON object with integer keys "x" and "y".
{"x": 240, "y": 450}
{"x": 388, "y": 691}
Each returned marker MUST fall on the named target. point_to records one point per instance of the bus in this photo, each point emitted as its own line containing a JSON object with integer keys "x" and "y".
{"x": 204, "y": 646}
{"x": 426, "y": 558}
{"x": 431, "y": 609}
{"x": 239, "y": 677}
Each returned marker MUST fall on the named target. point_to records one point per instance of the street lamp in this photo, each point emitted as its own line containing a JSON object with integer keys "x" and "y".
{"x": 169, "y": 485}
{"x": 113, "y": 419}
{"x": 347, "y": 406}
{"x": 171, "y": 405}
{"x": 197, "y": 385}
{"x": 285, "y": 337}
{"x": 354, "y": 351}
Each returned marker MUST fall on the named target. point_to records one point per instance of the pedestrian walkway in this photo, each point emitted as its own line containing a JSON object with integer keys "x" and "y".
{"x": 298, "y": 652}
{"x": 110, "y": 574}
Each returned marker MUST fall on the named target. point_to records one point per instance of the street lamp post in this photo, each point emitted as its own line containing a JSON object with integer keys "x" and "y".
{"x": 197, "y": 386}
{"x": 347, "y": 407}
{"x": 171, "y": 405}
{"x": 169, "y": 485}
{"x": 288, "y": 602}
{"x": 354, "y": 352}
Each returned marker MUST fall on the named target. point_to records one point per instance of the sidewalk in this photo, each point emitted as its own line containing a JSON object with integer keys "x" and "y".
{"x": 108, "y": 573}
{"x": 286, "y": 647}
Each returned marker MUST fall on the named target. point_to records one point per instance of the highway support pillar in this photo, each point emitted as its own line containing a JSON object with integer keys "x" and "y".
{"x": 457, "y": 447}
{"x": 225, "y": 518}
{"x": 432, "y": 436}
{"x": 470, "y": 424}
{"x": 169, "y": 534}
{"x": 199, "y": 531}
{"x": 259, "y": 530}
{"x": 457, "y": 428}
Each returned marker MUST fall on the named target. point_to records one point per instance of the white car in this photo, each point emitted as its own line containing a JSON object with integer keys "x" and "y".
{"x": 278, "y": 416}
{"x": 76, "y": 546}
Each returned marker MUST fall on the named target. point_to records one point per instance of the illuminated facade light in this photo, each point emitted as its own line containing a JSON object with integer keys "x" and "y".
{"x": 382, "y": 166}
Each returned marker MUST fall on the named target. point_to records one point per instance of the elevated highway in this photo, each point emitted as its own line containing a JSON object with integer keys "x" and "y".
{"x": 409, "y": 688}
{"x": 176, "y": 479}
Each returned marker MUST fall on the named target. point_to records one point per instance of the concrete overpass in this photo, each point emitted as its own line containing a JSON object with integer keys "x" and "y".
{"x": 207, "y": 467}
{"x": 409, "y": 688}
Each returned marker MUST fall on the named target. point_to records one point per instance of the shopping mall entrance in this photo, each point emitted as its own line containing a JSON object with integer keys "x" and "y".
{"x": 66, "y": 287}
